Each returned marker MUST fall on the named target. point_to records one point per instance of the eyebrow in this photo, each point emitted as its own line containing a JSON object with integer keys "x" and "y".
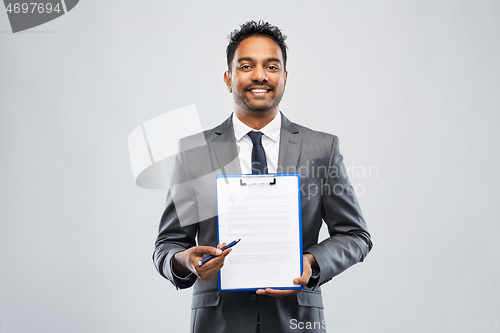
{"x": 267, "y": 60}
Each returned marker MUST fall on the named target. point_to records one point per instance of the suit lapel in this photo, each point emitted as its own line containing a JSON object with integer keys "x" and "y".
{"x": 290, "y": 145}
{"x": 225, "y": 149}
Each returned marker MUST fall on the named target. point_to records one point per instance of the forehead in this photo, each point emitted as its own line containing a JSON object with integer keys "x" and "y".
{"x": 258, "y": 48}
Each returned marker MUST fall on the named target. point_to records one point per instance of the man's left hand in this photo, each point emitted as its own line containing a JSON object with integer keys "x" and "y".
{"x": 309, "y": 262}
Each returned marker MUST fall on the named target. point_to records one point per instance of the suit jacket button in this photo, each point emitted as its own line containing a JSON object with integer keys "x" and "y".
{"x": 253, "y": 297}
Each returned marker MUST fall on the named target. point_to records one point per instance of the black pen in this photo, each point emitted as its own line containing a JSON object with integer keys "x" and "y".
{"x": 207, "y": 258}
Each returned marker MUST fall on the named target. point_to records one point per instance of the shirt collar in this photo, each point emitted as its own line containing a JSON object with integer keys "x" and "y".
{"x": 271, "y": 130}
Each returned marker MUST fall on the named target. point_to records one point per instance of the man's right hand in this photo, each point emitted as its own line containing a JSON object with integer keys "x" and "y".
{"x": 186, "y": 262}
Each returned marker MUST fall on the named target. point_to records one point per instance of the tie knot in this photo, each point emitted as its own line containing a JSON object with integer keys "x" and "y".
{"x": 256, "y": 137}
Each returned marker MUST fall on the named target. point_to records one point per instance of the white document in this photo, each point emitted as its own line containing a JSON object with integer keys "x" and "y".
{"x": 267, "y": 219}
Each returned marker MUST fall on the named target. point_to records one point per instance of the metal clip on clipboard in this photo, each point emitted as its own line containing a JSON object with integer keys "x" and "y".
{"x": 267, "y": 179}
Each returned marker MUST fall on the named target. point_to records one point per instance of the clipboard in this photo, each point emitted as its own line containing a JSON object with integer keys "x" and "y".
{"x": 264, "y": 211}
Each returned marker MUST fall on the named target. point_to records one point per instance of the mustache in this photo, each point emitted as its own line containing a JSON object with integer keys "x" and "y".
{"x": 258, "y": 85}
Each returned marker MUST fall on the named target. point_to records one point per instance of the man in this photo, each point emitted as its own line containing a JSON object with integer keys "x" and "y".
{"x": 256, "y": 77}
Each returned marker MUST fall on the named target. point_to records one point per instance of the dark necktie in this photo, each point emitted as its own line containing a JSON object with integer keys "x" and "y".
{"x": 259, "y": 163}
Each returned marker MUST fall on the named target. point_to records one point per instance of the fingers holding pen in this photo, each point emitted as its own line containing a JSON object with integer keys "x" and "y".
{"x": 208, "y": 269}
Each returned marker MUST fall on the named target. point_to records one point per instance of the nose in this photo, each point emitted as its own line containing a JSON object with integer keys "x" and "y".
{"x": 259, "y": 74}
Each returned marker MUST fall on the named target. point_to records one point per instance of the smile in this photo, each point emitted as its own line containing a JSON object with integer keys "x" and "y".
{"x": 259, "y": 90}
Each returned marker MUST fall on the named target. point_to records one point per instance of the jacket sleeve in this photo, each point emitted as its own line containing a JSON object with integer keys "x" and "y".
{"x": 349, "y": 240}
{"x": 173, "y": 237}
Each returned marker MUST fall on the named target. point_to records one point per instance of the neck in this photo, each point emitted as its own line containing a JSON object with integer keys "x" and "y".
{"x": 256, "y": 120}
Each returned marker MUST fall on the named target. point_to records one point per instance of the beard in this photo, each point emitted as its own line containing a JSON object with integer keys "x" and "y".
{"x": 253, "y": 105}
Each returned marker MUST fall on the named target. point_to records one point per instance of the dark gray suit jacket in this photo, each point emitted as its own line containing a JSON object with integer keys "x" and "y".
{"x": 327, "y": 196}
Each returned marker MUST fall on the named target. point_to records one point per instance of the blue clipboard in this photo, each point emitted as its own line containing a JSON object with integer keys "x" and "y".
{"x": 256, "y": 184}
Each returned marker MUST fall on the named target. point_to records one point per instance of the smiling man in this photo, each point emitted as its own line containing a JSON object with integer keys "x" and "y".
{"x": 261, "y": 140}
{"x": 257, "y": 79}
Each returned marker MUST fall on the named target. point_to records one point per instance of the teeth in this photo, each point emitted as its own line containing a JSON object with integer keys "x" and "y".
{"x": 258, "y": 90}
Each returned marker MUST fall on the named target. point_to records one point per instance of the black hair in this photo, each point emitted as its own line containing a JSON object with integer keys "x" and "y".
{"x": 250, "y": 29}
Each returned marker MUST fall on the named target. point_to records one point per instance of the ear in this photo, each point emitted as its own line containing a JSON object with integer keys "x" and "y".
{"x": 227, "y": 79}
{"x": 286, "y": 76}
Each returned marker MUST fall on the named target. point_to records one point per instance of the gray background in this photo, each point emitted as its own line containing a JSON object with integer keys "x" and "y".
{"x": 410, "y": 87}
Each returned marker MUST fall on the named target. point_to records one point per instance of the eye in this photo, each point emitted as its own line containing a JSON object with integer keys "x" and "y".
{"x": 273, "y": 68}
{"x": 245, "y": 67}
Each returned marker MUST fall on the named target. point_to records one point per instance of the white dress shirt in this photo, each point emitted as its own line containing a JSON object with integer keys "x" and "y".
{"x": 270, "y": 142}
